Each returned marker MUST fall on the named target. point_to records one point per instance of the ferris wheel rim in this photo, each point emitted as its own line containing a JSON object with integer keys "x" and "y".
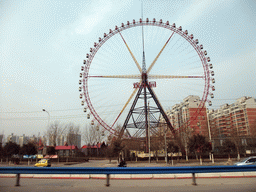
{"x": 129, "y": 25}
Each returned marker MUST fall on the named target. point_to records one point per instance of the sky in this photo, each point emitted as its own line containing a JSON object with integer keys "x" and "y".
{"x": 43, "y": 45}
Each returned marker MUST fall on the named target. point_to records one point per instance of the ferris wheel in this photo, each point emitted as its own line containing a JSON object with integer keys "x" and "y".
{"x": 139, "y": 70}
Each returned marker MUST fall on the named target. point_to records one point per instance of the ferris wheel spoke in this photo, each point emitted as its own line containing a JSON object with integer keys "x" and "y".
{"x": 135, "y": 90}
{"x": 175, "y": 76}
{"x": 136, "y": 62}
{"x": 116, "y": 76}
{"x": 153, "y": 63}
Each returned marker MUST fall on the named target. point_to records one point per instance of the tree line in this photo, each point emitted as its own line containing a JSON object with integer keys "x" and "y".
{"x": 189, "y": 144}
{"x": 11, "y": 148}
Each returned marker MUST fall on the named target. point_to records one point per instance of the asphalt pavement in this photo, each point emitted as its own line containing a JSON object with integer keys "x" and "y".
{"x": 96, "y": 185}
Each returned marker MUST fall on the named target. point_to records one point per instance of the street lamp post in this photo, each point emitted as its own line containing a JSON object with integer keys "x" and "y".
{"x": 48, "y": 118}
{"x": 210, "y": 137}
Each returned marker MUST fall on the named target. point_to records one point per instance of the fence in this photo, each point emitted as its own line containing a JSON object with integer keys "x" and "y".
{"x": 124, "y": 170}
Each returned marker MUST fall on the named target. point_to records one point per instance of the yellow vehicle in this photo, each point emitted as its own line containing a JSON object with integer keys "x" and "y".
{"x": 43, "y": 163}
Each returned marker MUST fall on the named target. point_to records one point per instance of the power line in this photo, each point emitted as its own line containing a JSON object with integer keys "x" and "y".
{"x": 45, "y": 118}
{"x": 41, "y": 111}
{"x": 61, "y": 110}
{"x": 80, "y": 109}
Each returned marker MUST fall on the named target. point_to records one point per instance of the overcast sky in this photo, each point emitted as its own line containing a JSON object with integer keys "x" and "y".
{"x": 43, "y": 45}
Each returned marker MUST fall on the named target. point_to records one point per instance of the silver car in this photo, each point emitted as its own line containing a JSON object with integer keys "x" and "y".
{"x": 247, "y": 161}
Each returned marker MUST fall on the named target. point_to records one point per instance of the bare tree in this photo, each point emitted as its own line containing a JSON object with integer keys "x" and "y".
{"x": 236, "y": 139}
{"x": 53, "y": 132}
{"x": 199, "y": 144}
{"x": 185, "y": 135}
{"x": 93, "y": 134}
{"x": 229, "y": 147}
{"x": 116, "y": 144}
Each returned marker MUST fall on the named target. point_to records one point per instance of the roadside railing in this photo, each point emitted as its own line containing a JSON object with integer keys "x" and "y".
{"x": 124, "y": 170}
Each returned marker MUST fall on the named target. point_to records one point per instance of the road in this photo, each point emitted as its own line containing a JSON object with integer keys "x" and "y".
{"x": 114, "y": 163}
{"x": 63, "y": 185}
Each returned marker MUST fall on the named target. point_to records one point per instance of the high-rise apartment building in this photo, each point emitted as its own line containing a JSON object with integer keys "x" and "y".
{"x": 69, "y": 139}
{"x": 74, "y": 139}
{"x": 23, "y": 140}
{"x": 13, "y": 138}
{"x": 60, "y": 140}
{"x": 237, "y": 119}
{"x": 187, "y": 119}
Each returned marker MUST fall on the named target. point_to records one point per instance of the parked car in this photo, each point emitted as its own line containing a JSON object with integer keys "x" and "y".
{"x": 247, "y": 161}
{"x": 43, "y": 163}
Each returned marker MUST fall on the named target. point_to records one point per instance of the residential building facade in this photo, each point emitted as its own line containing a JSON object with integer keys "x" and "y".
{"x": 237, "y": 119}
{"x": 186, "y": 118}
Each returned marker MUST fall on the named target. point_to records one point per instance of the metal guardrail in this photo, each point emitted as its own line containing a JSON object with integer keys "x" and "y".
{"x": 124, "y": 170}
